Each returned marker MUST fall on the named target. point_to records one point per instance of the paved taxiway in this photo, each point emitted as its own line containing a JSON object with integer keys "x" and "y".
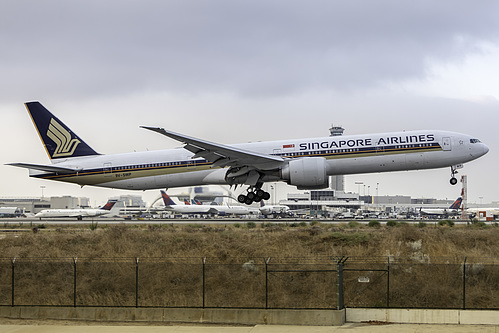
{"x": 348, "y": 327}
{"x": 9, "y": 222}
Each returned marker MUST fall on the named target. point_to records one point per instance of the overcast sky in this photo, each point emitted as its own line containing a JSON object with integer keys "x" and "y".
{"x": 238, "y": 71}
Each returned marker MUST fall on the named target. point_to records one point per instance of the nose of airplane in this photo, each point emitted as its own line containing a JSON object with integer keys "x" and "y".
{"x": 485, "y": 149}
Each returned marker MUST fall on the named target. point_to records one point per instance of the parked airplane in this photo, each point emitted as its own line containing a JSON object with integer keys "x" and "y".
{"x": 304, "y": 163}
{"x": 198, "y": 208}
{"x": 453, "y": 209}
{"x": 227, "y": 209}
{"x": 184, "y": 209}
{"x": 483, "y": 212}
{"x": 274, "y": 209}
{"x": 79, "y": 213}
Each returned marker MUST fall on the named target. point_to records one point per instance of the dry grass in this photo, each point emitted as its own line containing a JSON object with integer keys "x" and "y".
{"x": 426, "y": 266}
{"x": 225, "y": 242}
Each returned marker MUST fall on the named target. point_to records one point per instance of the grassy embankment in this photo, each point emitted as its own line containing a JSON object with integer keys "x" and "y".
{"x": 165, "y": 279}
{"x": 254, "y": 241}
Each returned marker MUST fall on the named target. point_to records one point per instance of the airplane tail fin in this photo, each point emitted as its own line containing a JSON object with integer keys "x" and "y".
{"x": 58, "y": 139}
{"x": 262, "y": 204}
{"x": 456, "y": 203}
{"x": 196, "y": 202}
{"x": 186, "y": 202}
{"x": 109, "y": 205}
{"x": 166, "y": 199}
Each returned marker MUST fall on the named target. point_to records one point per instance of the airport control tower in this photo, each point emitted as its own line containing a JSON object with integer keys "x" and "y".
{"x": 337, "y": 183}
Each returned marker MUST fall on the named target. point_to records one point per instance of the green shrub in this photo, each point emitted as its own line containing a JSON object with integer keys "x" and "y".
{"x": 374, "y": 224}
{"x": 353, "y": 224}
{"x": 450, "y": 223}
{"x": 421, "y": 224}
{"x": 251, "y": 225}
{"x": 392, "y": 223}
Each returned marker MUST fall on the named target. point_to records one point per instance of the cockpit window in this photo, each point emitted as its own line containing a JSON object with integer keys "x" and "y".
{"x": 474, "y": 141}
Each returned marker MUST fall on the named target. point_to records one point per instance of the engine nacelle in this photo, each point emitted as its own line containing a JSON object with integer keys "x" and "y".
{"x": 308, "y": 173}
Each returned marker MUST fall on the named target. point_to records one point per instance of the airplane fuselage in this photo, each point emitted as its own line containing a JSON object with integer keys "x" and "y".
{"x": 343, "y": 155}
{"x": 78, "y": 213}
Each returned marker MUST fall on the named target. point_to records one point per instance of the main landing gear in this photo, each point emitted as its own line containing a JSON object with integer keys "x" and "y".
{"x": 254, "y": 195}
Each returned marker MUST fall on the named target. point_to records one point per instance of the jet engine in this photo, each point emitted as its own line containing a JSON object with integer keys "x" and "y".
{"x": 307, "y": 173}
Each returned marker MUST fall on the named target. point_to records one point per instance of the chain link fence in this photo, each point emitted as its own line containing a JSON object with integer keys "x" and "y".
{"x": 270, "y": 283}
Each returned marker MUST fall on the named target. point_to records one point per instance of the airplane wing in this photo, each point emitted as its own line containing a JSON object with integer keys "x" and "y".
{"x": 45, "y": 168}
{"x": 222, "y": 155}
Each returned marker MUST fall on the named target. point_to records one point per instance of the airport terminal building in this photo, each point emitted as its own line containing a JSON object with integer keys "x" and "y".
{"x": 34, "y": 205}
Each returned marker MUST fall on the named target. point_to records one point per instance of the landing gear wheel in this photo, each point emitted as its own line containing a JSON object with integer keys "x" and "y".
{"x": 266, "y": 196}
{"x": 248, "y": 201}
{"x": 241, "y": 198}
{"x": 453, "y": 181}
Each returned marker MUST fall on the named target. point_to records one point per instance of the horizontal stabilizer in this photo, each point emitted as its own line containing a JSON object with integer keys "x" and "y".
{"x": 45, "y": 168}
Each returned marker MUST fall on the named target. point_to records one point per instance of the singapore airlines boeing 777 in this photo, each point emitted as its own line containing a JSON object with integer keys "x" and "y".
{"x": 304, "y": 163}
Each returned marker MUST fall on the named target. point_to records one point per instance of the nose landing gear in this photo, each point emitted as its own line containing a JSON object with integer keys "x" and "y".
{"x": 453, "y": 171}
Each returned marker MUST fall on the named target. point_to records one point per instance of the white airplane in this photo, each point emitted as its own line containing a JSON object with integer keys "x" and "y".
{"x": 485, "y": 211}
{"x": 184, "y": 209}
{"x": 198, "y": 208}
{"x": 227, "y": 209}
{"x": 79, "y": 213}
{"x": 274, "y": 209}
{"x": 304, "y": 163}
{"x": 453, "y": 209}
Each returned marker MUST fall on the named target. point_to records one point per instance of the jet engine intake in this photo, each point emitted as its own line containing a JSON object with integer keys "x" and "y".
{"x": 307, "y": 173}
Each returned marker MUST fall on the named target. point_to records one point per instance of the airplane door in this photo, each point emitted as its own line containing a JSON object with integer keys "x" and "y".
{"x": 446, "y": 143}
{"x": 108, "y": 169}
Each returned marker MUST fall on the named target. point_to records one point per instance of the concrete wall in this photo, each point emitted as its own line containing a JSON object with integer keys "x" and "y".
{"x": 255, "y": 316}
{"x": 225, "y": 316}
{"x": 423, "y": 316}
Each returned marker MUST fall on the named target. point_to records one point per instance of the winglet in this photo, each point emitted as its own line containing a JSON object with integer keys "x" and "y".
{"x": 58, "y": 139}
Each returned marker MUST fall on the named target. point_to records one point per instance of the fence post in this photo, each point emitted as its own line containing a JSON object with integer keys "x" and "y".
{"x": 13, "y": 284}
{"x": 388, "y": 284}
{"x": 266, "y": 284}
{"x": 204, "y": 281}
{"x": 464, "y": 283}
{"x": 339, "y": 282}
{"x": 137, "y": 282}
{"x": 74, "y": 281}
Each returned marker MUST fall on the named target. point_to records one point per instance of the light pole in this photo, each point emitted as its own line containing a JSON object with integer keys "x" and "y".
{"x": 272, "y": 190}
{"x": 358, "y": 186}
{"x": 377, "y": 187}
{"x": 42, "y": 187}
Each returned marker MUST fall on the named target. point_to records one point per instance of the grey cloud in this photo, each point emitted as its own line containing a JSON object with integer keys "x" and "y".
{"x": 250, "y": 48}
